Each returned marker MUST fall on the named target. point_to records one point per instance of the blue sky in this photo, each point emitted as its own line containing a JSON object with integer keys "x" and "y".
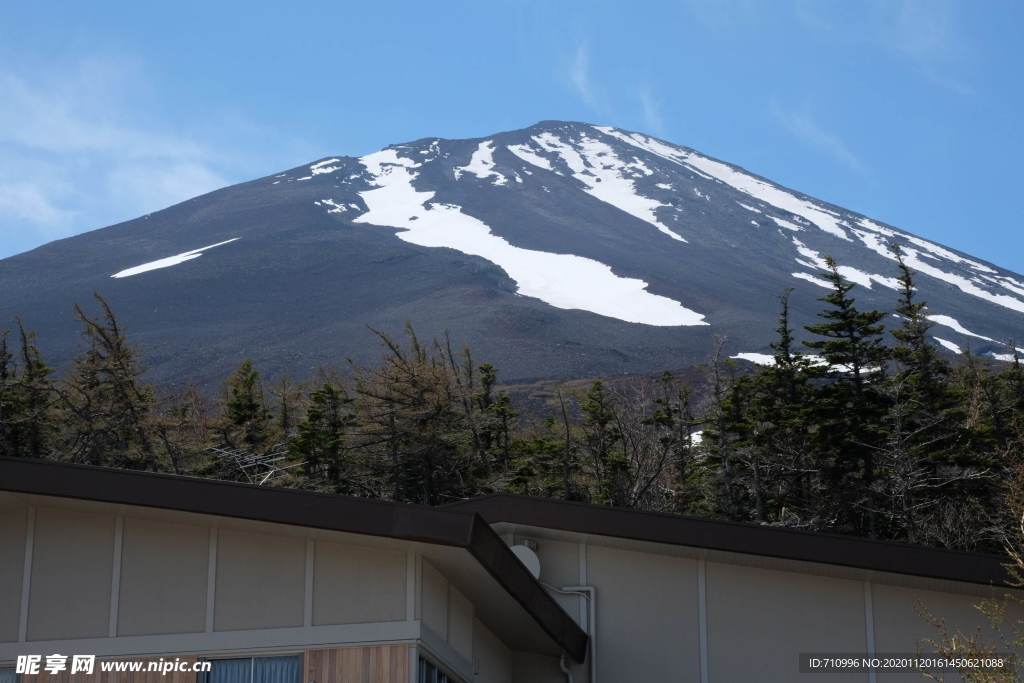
{"x": 906, "y": 110}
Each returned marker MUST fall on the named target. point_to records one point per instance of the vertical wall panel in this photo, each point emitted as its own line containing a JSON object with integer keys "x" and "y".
{"x": 163, "y": 578}
{"x": 72, "y": 569}
{"x": 657, "y": 591}
{"x": 13, "y": 521}
{"x": 356, "y": 584}
{"x": 460, "y": 623}
{"x": 434, "y": 600}
{"x": 760, "y": 620}
{"x": 261, "y": 581}
{"x": 492, "y": 659}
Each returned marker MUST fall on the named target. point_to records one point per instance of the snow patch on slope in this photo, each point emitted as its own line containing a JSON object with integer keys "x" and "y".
{"x": 814, "y": 280}
{"x": 948, "y": 345}
{"x": 756, "y": 358}
{"x": 481, "y": 164}
{"x": 324, "y": 166}
{"x": 561, "y": 280}
{"x": 169, "y": 261}
{"x": 530, "y": 156}
{"x": 848, "y": 272}
{"x": 921, "y": 262}
{"x": 825, "y": 219}
{"x": 603, "y": 175}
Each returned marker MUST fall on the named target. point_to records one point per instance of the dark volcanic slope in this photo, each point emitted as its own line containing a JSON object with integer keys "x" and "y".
{"x": 560, "y": 250}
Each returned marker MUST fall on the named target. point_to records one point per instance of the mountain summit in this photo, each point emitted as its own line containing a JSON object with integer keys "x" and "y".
{"x": 560, "y": 250}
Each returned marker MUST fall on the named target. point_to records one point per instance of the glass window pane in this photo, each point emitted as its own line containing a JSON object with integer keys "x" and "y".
{"x": 278, "y": 669}
{"x": 8, "y": 676}
{"x": 230, "y": 671}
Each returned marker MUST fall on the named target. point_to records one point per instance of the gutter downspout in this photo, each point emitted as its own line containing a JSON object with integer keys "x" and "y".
{"x": 590, "y": 594}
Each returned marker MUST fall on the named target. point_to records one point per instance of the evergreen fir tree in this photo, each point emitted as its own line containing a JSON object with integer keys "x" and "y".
{"x": 924, "y": 373}
{"x": 602, "y": 443}
{"x": 322, "y": 442}
{"x": 247, "y": 420}
{"x": 849, "y": 411}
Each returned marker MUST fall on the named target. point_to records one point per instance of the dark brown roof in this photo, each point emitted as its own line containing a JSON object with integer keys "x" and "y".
{"x": 456, "y": 528}
{"x": 778, "y": 542}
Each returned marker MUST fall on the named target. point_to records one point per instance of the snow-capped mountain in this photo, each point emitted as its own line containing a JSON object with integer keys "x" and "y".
{"x": 559, "y": 250}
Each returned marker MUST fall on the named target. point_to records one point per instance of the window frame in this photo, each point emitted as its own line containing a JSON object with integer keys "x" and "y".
{"x": 204, "y": 676}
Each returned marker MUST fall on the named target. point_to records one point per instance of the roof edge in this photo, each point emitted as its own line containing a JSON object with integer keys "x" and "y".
{"x": 737, "y": 537}
{"x": 401, "y": 521}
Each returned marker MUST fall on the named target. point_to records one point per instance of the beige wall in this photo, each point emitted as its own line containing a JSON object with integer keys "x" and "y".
{"x": 528, "y": 667}
{"x": 759, "y": 621}
{"x": 658, "y": 592}
{"x": 266, "y": 579}
{"x": 561, "y": 565}
{"x": 356, "y": 584}
{"x": 492, "y": 660}
{"x": 759, "y": 614}
{"x": 260, "y": 580}
{"x": 899, "y": 612}
{"x": 460, "y": 623}
{"x": 164, "y": 568}
{"x": 13, "y": 524}
{"x": 434, "y": 599}
{"x": 72, "y": 570}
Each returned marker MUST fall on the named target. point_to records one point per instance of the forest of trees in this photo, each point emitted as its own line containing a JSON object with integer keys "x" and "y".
{"x": 860, "y": 430}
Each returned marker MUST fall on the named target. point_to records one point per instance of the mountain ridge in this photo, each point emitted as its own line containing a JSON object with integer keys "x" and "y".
{"x": 562, "y": 249}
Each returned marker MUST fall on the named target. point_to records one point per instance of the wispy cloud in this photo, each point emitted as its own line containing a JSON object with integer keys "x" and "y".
{"x": 651, "y": 109}
{"x": 804, "y": 127}
{"x": 81, "y": 148}
{"x": 579, "y": 75}
{"x": 925, "y": 35}
{"x": 925, "y": 32}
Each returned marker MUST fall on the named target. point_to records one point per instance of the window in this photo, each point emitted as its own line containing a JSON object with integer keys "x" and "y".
{"x": 431, "y": 673}
{"x": 8, "y": 676}
{"x": 254, "y": 670}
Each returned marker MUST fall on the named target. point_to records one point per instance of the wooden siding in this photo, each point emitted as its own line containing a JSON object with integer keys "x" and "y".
{"x": 374, "y": 664}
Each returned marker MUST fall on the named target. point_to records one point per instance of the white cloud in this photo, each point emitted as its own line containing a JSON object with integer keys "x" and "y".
{"x": 651, "y": 109}
{"x": 147, "y": 187}
{"x": 925, "y": 35}
{"x": 86, "y": 145}
{"x": 803, "y": 126}
{"x": 27, "y": 202}
{"x": 579, "y": 75}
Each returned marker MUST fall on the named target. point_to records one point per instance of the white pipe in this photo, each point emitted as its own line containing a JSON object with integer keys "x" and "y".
{"x": 590, "y": 594}
{"x": 565, "y": 668}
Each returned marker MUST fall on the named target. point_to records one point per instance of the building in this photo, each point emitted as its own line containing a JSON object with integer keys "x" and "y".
{"x": 282, "y": 586}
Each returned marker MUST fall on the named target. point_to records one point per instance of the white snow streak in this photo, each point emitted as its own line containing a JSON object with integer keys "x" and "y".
{"x": 169, "y": 261}
{"x": 530, "y": 156}
{"x": 561, "y": 280}
{"x": 759, "y": 189}
{"x": 946, "y": 344}
{"x": 782, "y": 223}
{"x": 603, "y": 174}
{"x": 324, "y": 166}
{"x": 481, "y": 164}
{"x": 851, "y": 274}
{"x": 758, "y": 358}
{"x": 815, "y": 280}
{"x": 922, "y": 264}
{"x": 954, "y": 324}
